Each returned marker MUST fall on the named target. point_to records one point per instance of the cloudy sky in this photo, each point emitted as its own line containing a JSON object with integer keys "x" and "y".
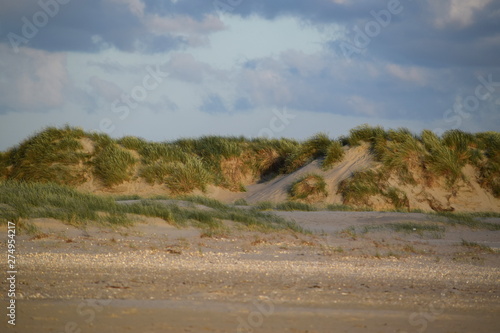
{"x": 164, "y": 69}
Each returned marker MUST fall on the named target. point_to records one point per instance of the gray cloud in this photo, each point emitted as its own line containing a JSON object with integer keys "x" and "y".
{"x": 90, "y": 25}
{"x": 427, "y": 32}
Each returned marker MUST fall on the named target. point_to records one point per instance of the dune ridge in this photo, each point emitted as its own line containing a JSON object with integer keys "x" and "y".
{"x": 371, "y": 168}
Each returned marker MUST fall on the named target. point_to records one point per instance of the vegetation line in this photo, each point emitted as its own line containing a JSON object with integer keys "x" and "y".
{"x": 70, "y": 156}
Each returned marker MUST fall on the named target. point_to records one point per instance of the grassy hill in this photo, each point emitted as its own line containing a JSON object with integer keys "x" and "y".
{"x": 400, "y": 169}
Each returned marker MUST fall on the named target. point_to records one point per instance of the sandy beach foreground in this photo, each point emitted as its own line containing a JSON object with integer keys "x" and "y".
{"x": 351, "y": 274}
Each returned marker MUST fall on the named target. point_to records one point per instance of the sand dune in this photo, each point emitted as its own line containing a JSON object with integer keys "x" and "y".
{"x": 356, "y": 159}
{"x": 466, "y": 196}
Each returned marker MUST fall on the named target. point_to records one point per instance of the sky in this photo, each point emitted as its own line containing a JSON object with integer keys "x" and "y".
{"x": 166, "y": 69}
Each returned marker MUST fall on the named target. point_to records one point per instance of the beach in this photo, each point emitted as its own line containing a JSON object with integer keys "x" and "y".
{"x": 350, "y": 273}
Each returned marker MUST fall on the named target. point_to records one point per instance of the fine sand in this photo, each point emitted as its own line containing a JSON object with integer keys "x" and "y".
{"x": 352, "y": 273}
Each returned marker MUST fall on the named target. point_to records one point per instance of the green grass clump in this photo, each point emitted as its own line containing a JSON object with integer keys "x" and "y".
{"x": 470, "y": 220}
{"x": 240, "y": 202}
{"x": 294, "y": 205}
{"x": 397, "y": 197}
{"x": 124, "y": 197}
{"x": 489, "y": 167}
{"x": 158, "y": 161}
{"x": 401, "y": 152}
{"x": 154, "y": 173}
{"x": 113, "y": 165}
{"x": 186, "y": 177}
{"x": 53, "y": 155}
{"x": 132, "y": 143}
{"x": 264, "y": 205}
{"x": 152, "y": 152}
{"x": 317, "y": 145}
{"x": 309, "y": 187}
{"x": 357, "y": 189}
{"x": 462, "y": 143}
{"x": 222, "y": 158}
{"x": 490, "y": 176}
{"x": 4, "y": 165}
{"x": 212, "y": 147}
{"x": 334, "y": 154}
{"x": 442, "y": 160}
{"x": 365, "y": 133}
{"x": 477, "y": 246}
{"x": 340, "y": 208}
{"x": 362, "y": 185}
{"x": 313, "y": 148}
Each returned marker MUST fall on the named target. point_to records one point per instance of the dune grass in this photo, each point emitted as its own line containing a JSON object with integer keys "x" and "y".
{"x": 308, "y": 188}
{"x": 71, "y": 156}
{"x": 284, "y": 206}
{"x": 51, "y": 156}
{"x": 334, "y": 154}
{"x": 477, "y": 246}
{"x": 424, "y": 159}
{"x": 22, "y": 201}
{"x": 400, "y": 152}
{"x": 341, "y": 208}
{"x": 264, "y": 205}
{"x": 114, "y": 165}
{"x": 186, "y": 177}
{"x": 240, "y": 202}
{"x": 365, "y": 133}
{"x": 470, "y": 220}
{"x": 294, "y": 205}
{"x": 412, "y": 227}
{"x": 357, "y": 189}
{"x": 315, "y": 147}
{"x": 363, "y": 185}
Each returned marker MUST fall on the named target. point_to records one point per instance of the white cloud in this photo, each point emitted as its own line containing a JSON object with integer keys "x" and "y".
{"x": 184, "y": 24}
{"x": 193, "y": 30}
{"x": 460, "y": 12}
{"x": 32, "y": 79}
{"x": 408, "y": 73}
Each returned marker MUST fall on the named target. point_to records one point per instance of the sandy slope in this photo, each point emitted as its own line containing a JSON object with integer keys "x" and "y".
{"x": 277, "y": 190}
